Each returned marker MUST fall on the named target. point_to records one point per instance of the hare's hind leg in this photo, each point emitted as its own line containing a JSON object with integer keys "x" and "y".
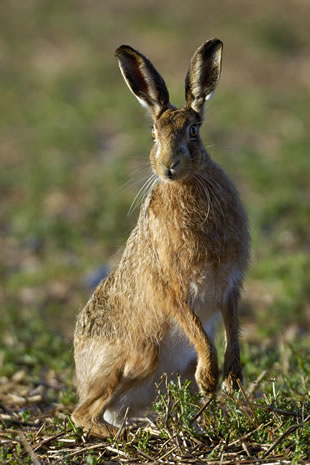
{"x": 108, "y": 392}
{"x": 89, "y": 414}
{"x": 232, "y": 366}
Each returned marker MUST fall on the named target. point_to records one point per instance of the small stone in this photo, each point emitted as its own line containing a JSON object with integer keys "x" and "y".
{"x": 35, "y": 399}
{"x": 18, "y": 400}
{"x": 19, "y": 376}
{"x": 39, "y": 390}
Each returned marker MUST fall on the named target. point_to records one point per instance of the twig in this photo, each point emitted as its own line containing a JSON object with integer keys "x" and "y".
{"x": 247, "y": 401}
{"x": 167, "y": 453}
{"x": 7, "y": 438}
{"x": 245, "y": 447}
{"x": 167, "y": 441}
{"x": 95, "y": 446}
{"x": 275, "y": 410}
{"x": 40, "y": 430}
{"x": 253, "y": 385}
{"x": 241, "y": 405}
{"x": 247, "y": 435}
{"x": 244, "y": 410}
{"x": 118, "y": 434}
{"x": 48, "y": 440}
{"x": 249, "y": 460}
{"x": 145, "y": 455}
{"x": 289, "y": 430}
{"x": 29, "y": 449}
{"x": 203, "y": 408}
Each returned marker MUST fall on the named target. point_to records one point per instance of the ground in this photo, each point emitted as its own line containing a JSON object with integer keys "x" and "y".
{"x": 74, "y": 152}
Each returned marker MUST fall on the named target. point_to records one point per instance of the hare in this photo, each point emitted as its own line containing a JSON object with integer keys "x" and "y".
{"x": 183, "y": 262}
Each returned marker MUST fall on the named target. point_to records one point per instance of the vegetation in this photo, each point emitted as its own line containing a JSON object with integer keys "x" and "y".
{"x": 73, "y": 150}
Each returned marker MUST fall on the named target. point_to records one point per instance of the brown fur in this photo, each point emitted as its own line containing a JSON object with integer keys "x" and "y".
{"x": 191, "y": 239}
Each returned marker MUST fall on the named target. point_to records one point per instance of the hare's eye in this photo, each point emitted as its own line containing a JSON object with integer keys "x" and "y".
{"x": 193, "y": 130}
{"x": 153, "y": 133}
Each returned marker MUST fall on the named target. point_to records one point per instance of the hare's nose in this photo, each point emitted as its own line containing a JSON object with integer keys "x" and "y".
{"x": 171, "y": 171}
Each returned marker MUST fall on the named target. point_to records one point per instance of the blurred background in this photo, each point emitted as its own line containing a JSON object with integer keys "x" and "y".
{"x": 74, "y": 146}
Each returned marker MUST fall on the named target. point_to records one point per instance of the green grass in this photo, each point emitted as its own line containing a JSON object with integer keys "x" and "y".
{"x": 74, "y": 147}
{"x": 270, "y": 421}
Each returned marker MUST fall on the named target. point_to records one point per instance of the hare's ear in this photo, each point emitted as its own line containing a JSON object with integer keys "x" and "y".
{"x": 203, "y": 74}
{"x": 142, "y": 79}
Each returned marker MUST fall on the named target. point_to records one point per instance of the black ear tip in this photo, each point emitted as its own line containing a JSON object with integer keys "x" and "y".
{"x": 123, "y": 49}
{"x": 213, "y": 45}
{"x": 218, "y": 44}
{"x": 216, "y": 41}
{"x": 119, "y": 51}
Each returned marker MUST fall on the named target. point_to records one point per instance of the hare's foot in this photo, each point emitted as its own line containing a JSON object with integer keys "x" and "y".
{"x": 89, "y": 414}
{"x": 207, "y": 375}
{"x": 93, "y": 426}
{"x": 232, "y": 372}
{"x": 90, "y": 418}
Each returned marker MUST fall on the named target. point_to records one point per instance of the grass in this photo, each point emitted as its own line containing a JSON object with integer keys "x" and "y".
{"x": 267, "y": 422}
{"x": 73, "y": 149}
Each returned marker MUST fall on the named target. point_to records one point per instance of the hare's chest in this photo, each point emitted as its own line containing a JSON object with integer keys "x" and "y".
{"x": 210, "y": 290}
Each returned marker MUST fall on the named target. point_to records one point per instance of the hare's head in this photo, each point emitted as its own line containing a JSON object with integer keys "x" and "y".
{"x": 177, "y": 152}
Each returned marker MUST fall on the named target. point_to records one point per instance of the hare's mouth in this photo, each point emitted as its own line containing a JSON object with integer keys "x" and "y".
{"x": 174, "y": 177}
{"x": 171, "y": 173}
{"x": 177, "y": 171}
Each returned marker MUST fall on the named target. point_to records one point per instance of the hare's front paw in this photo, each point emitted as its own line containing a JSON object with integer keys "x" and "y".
{"x": 207, "y": 377}
{"x": 231, "y": 373}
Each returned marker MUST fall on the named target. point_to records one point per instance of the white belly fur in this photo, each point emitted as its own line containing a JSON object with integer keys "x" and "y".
{"x": 175, "y": 352}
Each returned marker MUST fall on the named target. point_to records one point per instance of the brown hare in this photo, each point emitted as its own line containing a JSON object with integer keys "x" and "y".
{"x": 183, "y": 262}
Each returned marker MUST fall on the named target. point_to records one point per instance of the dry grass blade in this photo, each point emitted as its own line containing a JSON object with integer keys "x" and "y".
{"x": 166, "y": 454}
{"x": 247, "y": 400}
{"x": 250, "y": 433}
{"x": 274, "y": 461}
{"x": 87, "y": 448}
{"x": 255, "y": 383}
{"x": 167, "y": 442}
{"x": 184, "y": 431}
{"x": 245, "y": 447}
{"x": 289, "y": 430}
{"x": 145, "y": 455}
{"x": 118, "y": 434}
{"x": 203, "y": 408}
{"x": 6, "y": 438}
{"x": 29, "y": 449}
{"x": 242, "y": 407}
{"x": 48, "y": 440}
{"x": 111, "y": 449}
{"x": 275, "y": 410}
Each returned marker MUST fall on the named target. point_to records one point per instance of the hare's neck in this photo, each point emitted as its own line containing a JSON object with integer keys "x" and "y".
{"x": 200, "y": 205}
{"x": 190, "y": 199}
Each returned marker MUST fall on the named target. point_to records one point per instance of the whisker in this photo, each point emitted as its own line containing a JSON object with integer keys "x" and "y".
{"x": 215, "y": 188}
{"x": 145, "y": 193}
{"x": 204, "y": 187}
{"x": 200, "y": 186}
{"x": 136, "y": 170}
{"x": 145, "y": 190}
{"x": 130, "y": 182}
{"x": 141, "y": 159}
{"x": 136, "y": 201}
{"x": 150, "y": 188}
